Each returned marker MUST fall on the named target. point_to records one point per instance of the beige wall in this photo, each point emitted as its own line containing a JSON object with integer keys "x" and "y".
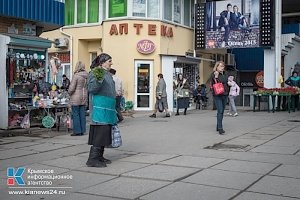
{"x": 122, "y": 47}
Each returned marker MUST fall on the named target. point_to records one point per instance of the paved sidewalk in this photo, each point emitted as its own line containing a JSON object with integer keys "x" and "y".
{"x": 176, "y": 158}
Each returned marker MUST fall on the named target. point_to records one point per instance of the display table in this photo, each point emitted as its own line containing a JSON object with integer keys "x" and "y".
{"x": 257, "y": 98}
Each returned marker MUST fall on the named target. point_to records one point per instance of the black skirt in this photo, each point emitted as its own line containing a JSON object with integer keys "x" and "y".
{"x": 183, "y": 102}
{"x": 100, "y": 135}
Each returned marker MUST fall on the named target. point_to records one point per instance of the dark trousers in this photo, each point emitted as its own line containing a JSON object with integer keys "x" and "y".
{"x": 118, "y": 108}
{"x": 220, "y": 102}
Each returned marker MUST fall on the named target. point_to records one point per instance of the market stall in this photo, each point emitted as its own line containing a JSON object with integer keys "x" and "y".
{"x": 26, "y": 95}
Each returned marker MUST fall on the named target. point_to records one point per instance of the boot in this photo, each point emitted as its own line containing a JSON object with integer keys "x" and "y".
{"x": 93, "y": 160}
{"x": 102, "y": 159}
{"x": 177, "y": 113}
{"x": 185, "y": 111}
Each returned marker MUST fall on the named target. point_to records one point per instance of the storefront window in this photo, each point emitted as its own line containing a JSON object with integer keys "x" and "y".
{"x": 117, "y": 8}
{"x": 177, "y": 11}
{"x": 153, "y": 8}
{"x": 139, "y": 8}
{"x": 93, "y": 11}
{"x": 69, "y": 12}
{"x": 187, "y": 12}
{"x": 81, "y": 11}
{"x": 167, "y": 10}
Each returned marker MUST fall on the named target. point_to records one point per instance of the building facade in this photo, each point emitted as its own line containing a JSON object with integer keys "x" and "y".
{"x": 144, "y": 38}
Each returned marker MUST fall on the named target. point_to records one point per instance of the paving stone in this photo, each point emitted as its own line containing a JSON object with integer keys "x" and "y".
{"x": 245, "y": 166}
{"x": 286, "y": 140}
{"x": 22, "y": 139}
{"x": 111, "y": 154}
{"x": 12, "y": 153}
{"x": 116, "y": 168}
{"x": 123, "y": 187}
{"x": 256, "y": 196}
{"x": 245, "y": 142}
{"x": 257, "y": 136}
{"x": 292, "y": 171}
{"x": 70, "y": 140}
{"x": 71, "y": 162}
{"x": 161, "y": 172}
{"x": 278, "y": 186}
{"x": 148, "y": 158}
{"x": 226, "y": 179}
{"x": 275, "y": 149}
{"x": 192, "y": 161}
{"x": 78, "y": 196}
{"x": 81, "y": 180}
{"x": 180, "y": 191}
{"x": 45, "y": 147}
{"x": 16, "y": 145}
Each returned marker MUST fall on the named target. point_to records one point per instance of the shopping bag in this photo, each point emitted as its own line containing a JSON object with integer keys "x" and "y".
{"x": 116, "y": 140}
{"x": 160, "y": 105}
{"x": 218, "y": 88}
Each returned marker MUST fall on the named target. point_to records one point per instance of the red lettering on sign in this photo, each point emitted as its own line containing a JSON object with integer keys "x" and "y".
{"x": 113, "y": 30}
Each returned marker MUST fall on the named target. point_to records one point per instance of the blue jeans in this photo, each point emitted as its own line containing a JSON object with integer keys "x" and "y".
{"x": 79, "y": 121}
{"x": 220, "y": 102}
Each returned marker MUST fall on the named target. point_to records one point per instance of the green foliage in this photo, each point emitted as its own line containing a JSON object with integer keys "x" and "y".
{"x": 99, "y": 73}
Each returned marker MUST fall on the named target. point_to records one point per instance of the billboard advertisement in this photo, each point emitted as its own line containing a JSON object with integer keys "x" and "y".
{"x": 232, "y": 24}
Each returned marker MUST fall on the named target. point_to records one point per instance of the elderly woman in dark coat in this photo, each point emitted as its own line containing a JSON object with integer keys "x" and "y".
{"x": 101, "y": 88}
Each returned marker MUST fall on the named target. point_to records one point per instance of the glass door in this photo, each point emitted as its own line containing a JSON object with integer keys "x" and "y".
{"x": 143, "y": 85}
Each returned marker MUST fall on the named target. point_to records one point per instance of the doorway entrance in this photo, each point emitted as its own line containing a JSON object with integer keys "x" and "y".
{"x": 143, "y": 85}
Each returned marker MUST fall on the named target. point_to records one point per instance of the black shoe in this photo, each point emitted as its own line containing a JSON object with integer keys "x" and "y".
{"x": 74, "y": 134}
{"x": 221, "y": 131}
{"x": 153, "y": 116}
{"x": 176, "y": 114}
{"x": 167, "y": 115}
{"x": 107, "y": 161}
{"x": 184, "y": 113}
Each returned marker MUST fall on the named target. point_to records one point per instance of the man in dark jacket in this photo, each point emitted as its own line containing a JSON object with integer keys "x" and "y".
{"x": 224, "y": 23}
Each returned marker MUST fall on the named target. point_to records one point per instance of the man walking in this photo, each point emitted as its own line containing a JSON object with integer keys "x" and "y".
{"x": 161, "y": 96}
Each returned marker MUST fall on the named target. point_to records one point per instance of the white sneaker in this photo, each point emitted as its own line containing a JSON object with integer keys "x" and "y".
{"x": 228, "y": 114}
{"x": 235, "y": 114}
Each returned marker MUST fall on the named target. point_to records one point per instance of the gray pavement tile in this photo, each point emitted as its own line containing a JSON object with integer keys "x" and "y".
{"x": 275, "y": 149}
{"x": 148, "y": 158}
{"x": 180, "y": 191}
{"x": 220, "y": 178}
{"x": 192, "y": 161}
{"x": 278, "y": 186}
{"x": 125, "y": 188}
{"x": 78, "y": 196}
{"x": 45, "y": 147}
{"x": 245, "y": 166}
{"x": 21, "y": 139}
{"x": 12, "y": 153}
{"x": 81, "y": 180}
{"x": 292, "y": 171}
{"x": 69, "y": 141}
{"x": 256, "y": 196}
{"x": 112, "y": 154}
{"x": 264, "y": 131}
{"x": 161, "y": 172}
{"x": 6, "y": 141}
{"x": 244, "y": 142}
{"x": 286, "y": 140}
{"x": 71, "y": 162}
{"x": 16, "y": 145}
{"x": 257, "y": 136}
{"x": 116, "y": 168}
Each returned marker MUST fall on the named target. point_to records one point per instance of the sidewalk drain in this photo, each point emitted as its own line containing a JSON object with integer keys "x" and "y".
{"x": 219, "y": 146}
{"x": 293, "y": 120}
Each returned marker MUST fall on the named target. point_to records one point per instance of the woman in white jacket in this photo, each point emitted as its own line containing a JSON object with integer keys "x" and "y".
{"x": 233, "y": 93}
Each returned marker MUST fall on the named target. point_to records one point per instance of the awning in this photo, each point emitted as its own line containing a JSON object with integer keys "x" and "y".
{"x": 28, "y": 41}
{"x": 188, "y": 60}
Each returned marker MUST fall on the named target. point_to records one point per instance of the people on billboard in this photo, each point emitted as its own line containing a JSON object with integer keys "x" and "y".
{"x": 235, "y": 18}
{"x": 224, "y": 23}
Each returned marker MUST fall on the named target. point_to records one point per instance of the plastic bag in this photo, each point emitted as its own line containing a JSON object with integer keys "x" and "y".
{"x": 25, "y": 122}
